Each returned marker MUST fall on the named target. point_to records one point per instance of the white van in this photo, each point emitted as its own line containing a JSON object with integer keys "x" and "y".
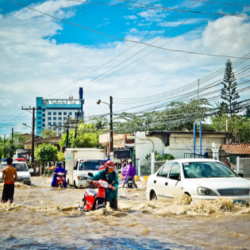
{"x": 81, "y": 161}
{"x": 23, "y": 172}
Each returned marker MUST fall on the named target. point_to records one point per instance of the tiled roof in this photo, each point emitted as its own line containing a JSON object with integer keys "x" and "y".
{"x": 237, "y": 148}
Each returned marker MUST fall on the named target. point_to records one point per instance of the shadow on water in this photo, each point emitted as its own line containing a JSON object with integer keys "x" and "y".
{"x": 108, "y": 243}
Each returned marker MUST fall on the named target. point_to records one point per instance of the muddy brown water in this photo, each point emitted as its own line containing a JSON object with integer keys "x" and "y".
{"x": 47, "y": 218}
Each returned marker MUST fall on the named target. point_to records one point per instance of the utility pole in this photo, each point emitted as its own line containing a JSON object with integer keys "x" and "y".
{"x": 76, "y": 123}
{"x": 11, "y": 149}
{"x": 67, "y": 139}
{"x": 33, "y": 137}
{"x": 111, "y": 129}
{"x": 33, "y": 132}
{"x": 4, "y": 146}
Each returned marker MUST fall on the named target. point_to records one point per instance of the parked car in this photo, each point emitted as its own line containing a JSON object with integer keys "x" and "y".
{"x": 202, "y": 179}
{"x": 23, "y": 172}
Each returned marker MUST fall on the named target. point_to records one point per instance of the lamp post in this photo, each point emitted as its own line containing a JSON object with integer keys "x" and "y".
{"x": 110, "y": 104}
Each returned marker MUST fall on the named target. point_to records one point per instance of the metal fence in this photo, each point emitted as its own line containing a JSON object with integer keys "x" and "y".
{"x": 243, "y": 166}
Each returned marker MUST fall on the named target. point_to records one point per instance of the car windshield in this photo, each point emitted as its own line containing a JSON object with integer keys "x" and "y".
{"x": 207, "y": 170}
{"x": 90, "y": 165}
{"x": 20, "y": 167}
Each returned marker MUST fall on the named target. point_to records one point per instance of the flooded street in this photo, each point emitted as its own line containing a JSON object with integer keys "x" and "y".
{"x": 47, "y": 218}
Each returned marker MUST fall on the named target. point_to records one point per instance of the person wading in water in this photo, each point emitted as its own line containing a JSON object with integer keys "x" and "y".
{"x": 8, "y": 176}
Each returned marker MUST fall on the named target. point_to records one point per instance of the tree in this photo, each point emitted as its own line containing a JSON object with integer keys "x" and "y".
{"x": 46, "y": 152}
{"x": 60, "y": 156}
{"x": 47, "y": 133}
{"x": 87, "y": 137}
{"x": 177, "y": 116}
{"x": 229, "y": 92}
{"x": 160, "y": 157}
{"x": 238, "y": 125}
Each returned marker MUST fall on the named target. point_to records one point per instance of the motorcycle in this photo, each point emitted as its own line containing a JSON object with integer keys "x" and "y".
{"x": 130, "y": 182}
{"x": 95, "y": 199}
{"x": 60, "y": 179}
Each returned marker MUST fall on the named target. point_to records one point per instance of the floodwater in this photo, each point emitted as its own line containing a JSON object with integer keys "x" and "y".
{"x": 47, "y": 218}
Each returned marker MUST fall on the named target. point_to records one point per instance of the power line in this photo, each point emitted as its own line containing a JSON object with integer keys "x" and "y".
{"x": 133, "y": 41}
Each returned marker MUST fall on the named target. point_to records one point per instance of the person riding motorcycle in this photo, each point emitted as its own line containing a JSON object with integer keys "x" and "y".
{"x": 108, "y": 174}
{"x": 128, "y": 172}
{"x": 58, "y": 169}
{"x": 104, "y": 162}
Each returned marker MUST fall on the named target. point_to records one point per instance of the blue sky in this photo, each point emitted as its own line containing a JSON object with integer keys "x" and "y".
{"x": 45, "y": 57}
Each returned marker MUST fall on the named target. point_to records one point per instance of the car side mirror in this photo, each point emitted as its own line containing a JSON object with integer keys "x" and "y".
{"x": 31, "y": 170}
{"x": 90, "y": 175}
{"x": 174, "y": 177}
{"x": 241, "y": 175}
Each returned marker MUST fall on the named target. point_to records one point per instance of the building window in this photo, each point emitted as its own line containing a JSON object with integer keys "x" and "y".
{"x": 59, "y": 118}
{"x": 64, "y": 113}
{"x": 49, "y": 118}
{"x": 49, "y": 123}
{"x": 39, "y": 123}
{"x": 43, "y": 115}
{"x": 49, "y": 113}
{"x": 64, "y": 118}
{"x": 59, "y": 123}
{"x": 43, "y": 120}
{"x": 54, "y": 128}
{"x": 54, "y": 118}
{"x": 39, "y": 127}
{"x": 39, "y": 113}
{"x": 54, "y": 123}
{"x": 70, "y": 113}
{"x": 43, "y": 110}
{"x": 43, "y": 125}
{"x": 59, "y": 113}
{"x": 54, "y": 113}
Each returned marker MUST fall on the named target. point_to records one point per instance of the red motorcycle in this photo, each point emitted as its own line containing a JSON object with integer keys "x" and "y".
{"x": 60, "y": 179}
{"x": 95, "y": 199}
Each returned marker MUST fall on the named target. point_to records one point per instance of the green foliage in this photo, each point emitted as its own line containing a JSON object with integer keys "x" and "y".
{"x": 60, "y": 156}
{"x": 160, "y": 157}
{"x": 229, "y": 92}
{"x": 47, "y": 133}
{"x": 238, "y": 125}
{"x": 46, "y": 152}
{"x": 87, "y": 136}
{"x": 177, "y": 116}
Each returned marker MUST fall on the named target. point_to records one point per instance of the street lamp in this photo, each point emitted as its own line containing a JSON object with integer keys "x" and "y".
{"x": 110, "y": 104}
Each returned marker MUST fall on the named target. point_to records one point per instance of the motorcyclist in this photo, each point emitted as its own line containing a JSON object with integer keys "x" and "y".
{"x": 104, "y": 163}
{"x": 128, "y": 172}
{"x": 108, "y": 174}
{"x": 58, "y": 169}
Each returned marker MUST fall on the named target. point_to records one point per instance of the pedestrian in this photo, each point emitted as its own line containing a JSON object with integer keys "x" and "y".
{"x": 228, "y": 163}
{"x": 8, "y": 175}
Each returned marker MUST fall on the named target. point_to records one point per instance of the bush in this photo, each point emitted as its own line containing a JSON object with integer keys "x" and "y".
{"x": 46, "y": 152}
{"x": 160, "y": 157}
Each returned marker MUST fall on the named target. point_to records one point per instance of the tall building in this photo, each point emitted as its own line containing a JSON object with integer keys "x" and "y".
{"x": 52, "y": 112}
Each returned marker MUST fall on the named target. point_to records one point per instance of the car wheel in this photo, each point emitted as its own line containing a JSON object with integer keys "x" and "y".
{"x": 153, "y": 195}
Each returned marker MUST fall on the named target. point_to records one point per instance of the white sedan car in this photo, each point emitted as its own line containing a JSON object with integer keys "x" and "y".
{"x": 199, "y": 178}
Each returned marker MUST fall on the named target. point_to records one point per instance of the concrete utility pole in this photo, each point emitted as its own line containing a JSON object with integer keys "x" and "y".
{"x": 76, "y": 123}
{"x": 111, "y": 139}
{"x": 33, "y": 132}
{"x": 67, "y": 139}
{"x": 33, "y": 137}
{"x": 111, "y": 128}
{"x": 4, "y": 146}
{"x": 11, "y": 149}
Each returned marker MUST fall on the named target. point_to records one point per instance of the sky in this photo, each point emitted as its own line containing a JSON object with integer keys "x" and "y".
{"x": 45, "y": 57}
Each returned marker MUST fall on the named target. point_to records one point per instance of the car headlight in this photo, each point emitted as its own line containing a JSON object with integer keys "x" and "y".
{"x": 206, "y": 191}
{"x": 81, "y": 177}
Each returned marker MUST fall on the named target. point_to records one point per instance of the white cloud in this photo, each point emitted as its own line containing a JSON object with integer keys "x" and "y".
{"x": 132, "y": 17}
{"x": 32, "y": 66}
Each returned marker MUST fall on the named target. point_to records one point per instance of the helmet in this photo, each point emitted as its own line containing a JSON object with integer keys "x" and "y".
{"x": 129, "y": 161}
{"x": 110, "y": 164}
{"x": 105, "y": 160}
{"x": 59, "y": 164}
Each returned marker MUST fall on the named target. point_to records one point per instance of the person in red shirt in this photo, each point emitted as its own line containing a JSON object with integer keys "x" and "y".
{"x": 9, "y": 175}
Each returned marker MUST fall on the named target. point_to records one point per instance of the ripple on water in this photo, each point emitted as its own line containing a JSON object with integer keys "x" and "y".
{"x": 107, "y": 243}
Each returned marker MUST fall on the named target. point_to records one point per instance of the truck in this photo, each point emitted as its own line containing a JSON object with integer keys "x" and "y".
{"x": 81, "y": 161}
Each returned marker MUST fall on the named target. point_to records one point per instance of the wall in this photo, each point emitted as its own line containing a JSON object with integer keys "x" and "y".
{"x": 183, "y": 143}
{"x": 145, "y": 144}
